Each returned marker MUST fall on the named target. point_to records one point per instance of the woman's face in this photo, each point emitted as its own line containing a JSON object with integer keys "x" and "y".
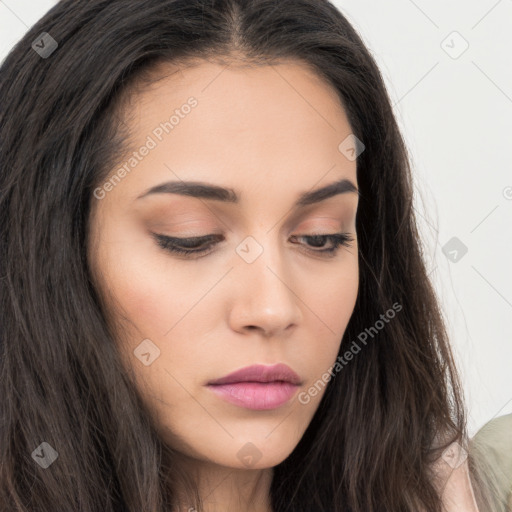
{"x": 262, "y": 293}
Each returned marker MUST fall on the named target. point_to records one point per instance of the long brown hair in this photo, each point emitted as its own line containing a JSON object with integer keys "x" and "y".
{"x": 372, "y": 439}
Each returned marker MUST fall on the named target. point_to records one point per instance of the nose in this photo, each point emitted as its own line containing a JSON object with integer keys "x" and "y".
{"x": 264, "y": 295}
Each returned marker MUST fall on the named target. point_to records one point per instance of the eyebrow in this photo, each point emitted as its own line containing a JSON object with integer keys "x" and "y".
{"x": 228, "y": 195}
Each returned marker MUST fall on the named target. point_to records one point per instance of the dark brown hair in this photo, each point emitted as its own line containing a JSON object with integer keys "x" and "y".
{"x": 371, "y": 442}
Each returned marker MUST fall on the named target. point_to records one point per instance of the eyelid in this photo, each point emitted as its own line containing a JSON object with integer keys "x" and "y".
{"x": 178, "y": 245}
{"x": 187, "y": 239}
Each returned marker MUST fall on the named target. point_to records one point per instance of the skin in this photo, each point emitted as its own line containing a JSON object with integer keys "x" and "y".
{"x": 270, "y": 133}
{"x": 454, "y": 486}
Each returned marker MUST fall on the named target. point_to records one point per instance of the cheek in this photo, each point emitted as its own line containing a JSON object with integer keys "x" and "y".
{"x": 165, "y": 303}
{"x": 332, "y": 296}
{"x": 155, "y": 301}
{"x": 331, "y": 305}
{"x": 150, "y": 292}
{"x": 142, "y": 297}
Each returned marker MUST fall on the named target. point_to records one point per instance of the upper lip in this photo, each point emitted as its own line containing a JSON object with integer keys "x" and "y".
{"x": 260, "y": 373}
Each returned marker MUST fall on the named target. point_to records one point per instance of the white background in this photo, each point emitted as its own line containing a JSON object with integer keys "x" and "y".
{"x": 455, "y": 110}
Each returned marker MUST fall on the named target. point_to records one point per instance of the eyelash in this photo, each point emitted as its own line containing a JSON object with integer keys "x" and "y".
{"x": 171, "y": 244}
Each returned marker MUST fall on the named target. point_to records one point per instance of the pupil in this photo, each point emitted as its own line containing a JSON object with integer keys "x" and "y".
{"x": 317, "y": 241}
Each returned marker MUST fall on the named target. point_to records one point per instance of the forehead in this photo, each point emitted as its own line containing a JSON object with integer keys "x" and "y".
{"x": 239, "y": 92}
{"x": 250, "y": 127}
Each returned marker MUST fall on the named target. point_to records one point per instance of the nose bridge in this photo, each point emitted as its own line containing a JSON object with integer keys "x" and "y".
{"x": 265, "y": 294}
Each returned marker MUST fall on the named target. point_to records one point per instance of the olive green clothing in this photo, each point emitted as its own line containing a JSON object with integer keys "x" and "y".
{"x": 490, "y": 452}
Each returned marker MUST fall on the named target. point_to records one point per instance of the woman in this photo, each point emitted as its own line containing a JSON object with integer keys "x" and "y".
{"x": 213, "y": 295}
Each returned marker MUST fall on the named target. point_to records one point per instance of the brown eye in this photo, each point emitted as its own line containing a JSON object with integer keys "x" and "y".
{"x": 337, "y": 240}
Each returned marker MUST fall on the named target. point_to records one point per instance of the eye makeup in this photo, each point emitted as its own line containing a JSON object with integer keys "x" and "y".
{"x": 202, "y": 245}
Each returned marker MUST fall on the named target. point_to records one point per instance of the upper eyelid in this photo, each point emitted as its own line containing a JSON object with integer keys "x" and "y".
{"x": 215, "y": 238}
{"x": 180, "y": 238}
{"x": 217, "y": 235}
{"x": 202, "y": 245}
{"x": 200, "y": 238}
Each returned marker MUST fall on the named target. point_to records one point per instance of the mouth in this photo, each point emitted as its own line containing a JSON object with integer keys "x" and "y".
{"x": 258, "y": 387}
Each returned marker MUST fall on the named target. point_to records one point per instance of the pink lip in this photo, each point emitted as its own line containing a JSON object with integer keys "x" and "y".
{"x": 258, "y": 387}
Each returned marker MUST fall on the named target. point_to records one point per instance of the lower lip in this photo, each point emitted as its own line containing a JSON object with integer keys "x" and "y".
{"x": 258, "y": 396}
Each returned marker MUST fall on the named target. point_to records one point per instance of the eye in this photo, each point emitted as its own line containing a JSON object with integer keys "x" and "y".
{"x": 196, "y": 245}
{"x": 336, "y": 239}
{"x": 201, "y": 245}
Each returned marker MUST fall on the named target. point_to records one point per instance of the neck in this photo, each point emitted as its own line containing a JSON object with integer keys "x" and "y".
{"x": 227, "y": 489}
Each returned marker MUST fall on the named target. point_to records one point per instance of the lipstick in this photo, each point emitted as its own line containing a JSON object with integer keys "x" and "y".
{"x": 258, "y": 387}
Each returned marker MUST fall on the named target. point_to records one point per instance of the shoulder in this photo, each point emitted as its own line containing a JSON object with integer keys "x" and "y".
{"x": 496, "y": 435}
{"x": 490, "y": 452}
